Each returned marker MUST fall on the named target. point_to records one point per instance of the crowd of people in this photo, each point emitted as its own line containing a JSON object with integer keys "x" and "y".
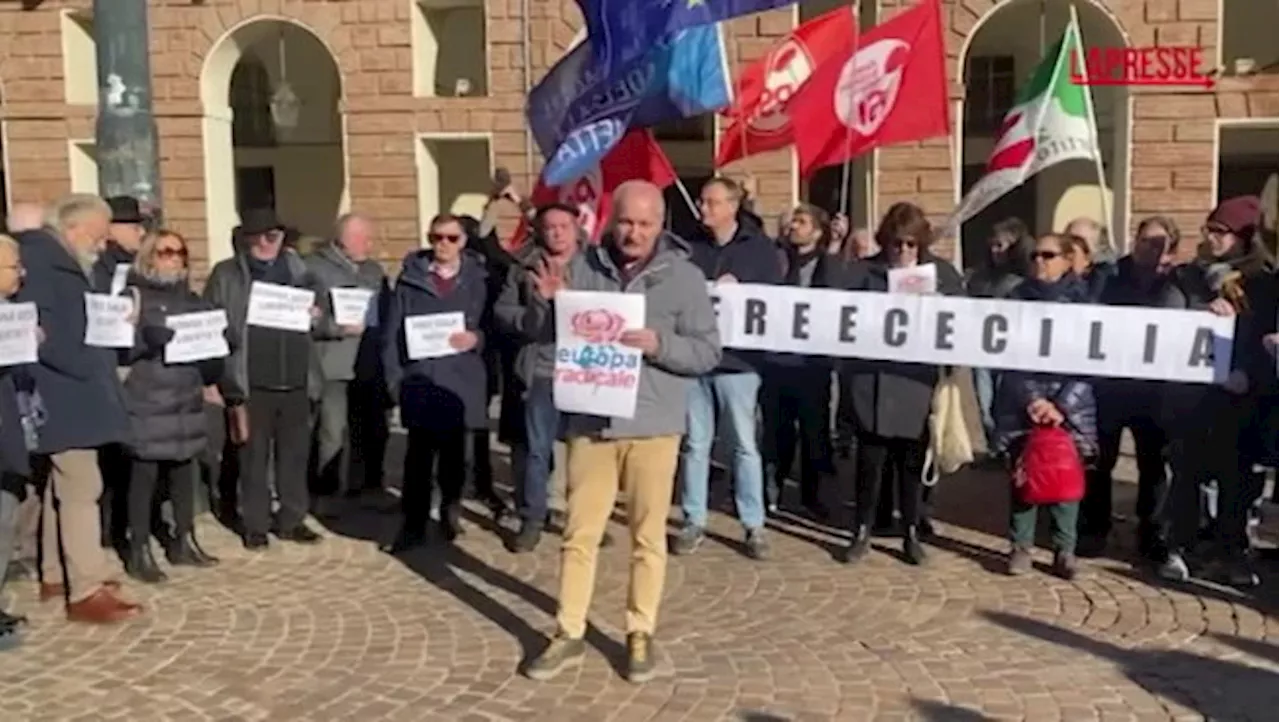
{"x": 106, "y": 449}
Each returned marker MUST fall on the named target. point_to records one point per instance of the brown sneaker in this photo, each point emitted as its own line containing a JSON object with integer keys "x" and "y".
{"x": 1019, "y": 561}
{"x": 49, "y": 592}
{"x": 103, "y": 607}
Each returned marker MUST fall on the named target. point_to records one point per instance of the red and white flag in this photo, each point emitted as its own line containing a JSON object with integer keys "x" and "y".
{"x": 636, "y": 157}
{"x": 892, "y": 90}
{"x": 759, "y": 118}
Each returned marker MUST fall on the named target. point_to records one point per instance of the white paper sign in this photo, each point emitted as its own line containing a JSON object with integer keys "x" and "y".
{"x": 918, "y": 280}
{"x": 196, "y": 337}
{"x": 594, "y": 373}
{"x": 19, "y": 339}
{"x": 353, "y": 307}
{"x": 282, "y": 307}
{"x": 1078, "y": 339}
{"x": 119, "y": 278}
{"x": 106, "y": 321}
{"x": 427, "y": 336}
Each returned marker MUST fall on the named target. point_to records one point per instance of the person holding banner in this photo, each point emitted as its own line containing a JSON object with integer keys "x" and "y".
{"x": 437, "y": 376}
{"x": 635, "y": 456}
{"x": 891, "y": 401}
{"x": 1026, "y": 400}
{"x": 165, "y": 403}
{"x": 730, "y": 249}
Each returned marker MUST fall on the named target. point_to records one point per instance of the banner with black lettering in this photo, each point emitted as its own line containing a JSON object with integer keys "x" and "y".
{"x": 1089, "y": 340}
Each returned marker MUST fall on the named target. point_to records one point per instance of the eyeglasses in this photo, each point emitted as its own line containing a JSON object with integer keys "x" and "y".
{"x": 171, "y": 252}
{"x": 1045, "y": 255}
{"x": 1215, "y": 230}
{"x": 445, "y": 237}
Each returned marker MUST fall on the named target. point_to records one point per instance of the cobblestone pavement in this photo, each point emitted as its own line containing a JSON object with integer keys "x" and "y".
{"x": 343, "y": 632}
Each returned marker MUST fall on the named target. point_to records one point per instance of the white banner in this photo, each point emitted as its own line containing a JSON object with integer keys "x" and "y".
{"x": 106, "y": 321}
{"x": 354, "y": 307}
{"x": 427, "y": 336}
{"x": 281, "y": 307}
{"x": 196, "y": 337}
{"x": 1088, "y": 340}
{"x": 594, "y": 374}
{"x": 19, "y": 339}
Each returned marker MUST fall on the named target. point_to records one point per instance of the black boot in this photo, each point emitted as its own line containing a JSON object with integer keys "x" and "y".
{"x": 451, "y": 521}
{"x": 185, "y": 551}
{"x": 858, "y": 548}
{"x": 141, "y": 565}
{"x": 912, "y": 549}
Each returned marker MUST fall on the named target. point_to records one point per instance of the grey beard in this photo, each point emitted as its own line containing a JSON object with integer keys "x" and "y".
{"x": 87, "y": 259}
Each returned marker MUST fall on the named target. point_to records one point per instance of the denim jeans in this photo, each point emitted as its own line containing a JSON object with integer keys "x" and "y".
{"x": 732, "y": 398}
{"x": 984, "y": 387}
{"x": 542, "y": 423}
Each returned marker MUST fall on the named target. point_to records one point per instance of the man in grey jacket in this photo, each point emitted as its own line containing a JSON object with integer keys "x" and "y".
{"x": 636, "y": 456}
{"x": 351, "y": 395}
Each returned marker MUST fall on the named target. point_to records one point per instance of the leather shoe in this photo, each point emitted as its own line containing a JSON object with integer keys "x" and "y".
{"x": 300, "y": 534}
{"x": 103, "y": 607}
{"x": 49, "y": 592}
{"x": 256, "y": 542}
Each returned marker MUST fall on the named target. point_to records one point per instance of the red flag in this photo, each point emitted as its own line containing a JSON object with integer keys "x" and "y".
{"x": 760, "y": 121}
{"x": 852, "y": 105}
{"x": 636, "y": 157}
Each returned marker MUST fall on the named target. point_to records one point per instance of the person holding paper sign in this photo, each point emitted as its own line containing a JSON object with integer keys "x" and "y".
{"x": 892, "y": 401}
{"x": 637, "y": 456}
{"x": 265, "y": 385}
{"x": 442, "y": 396}
{"x": 165, "y": 403}
{"x": 351, "y": 416}
{"x": 86, "y": 410}
{"x": 1026, "y": 400}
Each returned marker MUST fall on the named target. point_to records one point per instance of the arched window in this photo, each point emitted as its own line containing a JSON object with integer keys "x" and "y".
{"x": 251, "y": 125}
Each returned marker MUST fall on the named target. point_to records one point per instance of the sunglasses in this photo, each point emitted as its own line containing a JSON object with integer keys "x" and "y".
{"x": 171, "y": 253}
{"x": 444, "y": 237}
{"x": 900, "y": 243}
{"x": 1045, "y": 255}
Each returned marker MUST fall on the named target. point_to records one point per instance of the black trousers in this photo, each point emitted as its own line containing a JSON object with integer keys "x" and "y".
{"x": 350, "y": 438}
{"x": 1149, "y": 441}
{"x": 884, "y": 461}
{"x": 845, "y": 431}
{"x": 795, "y": 406}
{"x": 279, "y": 428}
{"x": 433, "y": 458}
{"x": 148, "y": 479}
{"x": 113, "y": 505}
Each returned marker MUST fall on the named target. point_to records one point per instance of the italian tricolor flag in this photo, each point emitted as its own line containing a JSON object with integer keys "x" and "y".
{"x": 1052, "y": 121}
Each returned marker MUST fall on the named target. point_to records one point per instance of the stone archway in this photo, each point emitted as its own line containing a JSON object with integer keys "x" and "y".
{"x": 996, "y": 58}
{"x": 255, "y": 157}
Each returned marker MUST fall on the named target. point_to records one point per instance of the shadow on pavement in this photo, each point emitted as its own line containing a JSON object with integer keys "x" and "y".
{"x": 934, "y": 711}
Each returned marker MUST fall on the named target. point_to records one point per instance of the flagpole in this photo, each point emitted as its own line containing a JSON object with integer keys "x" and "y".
{"x": 1107, "y": 220}
{"x": 847, "y": 170}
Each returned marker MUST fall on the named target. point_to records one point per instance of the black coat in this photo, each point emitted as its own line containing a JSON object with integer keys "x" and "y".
{"x": 165, "y": 402}
{"x": 14, "y": 456}
{"x": 750, "y": 257}
{"x": 104, "y": 269}
{"x": 444, "y": 393}
{"x": 830, "y": 272}
{"x": 78, "y": 383}
{"x": 890, "y": 398}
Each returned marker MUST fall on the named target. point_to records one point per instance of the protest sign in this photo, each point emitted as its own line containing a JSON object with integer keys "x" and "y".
{"x": 1079, "y": 339}
{"x": 594, "y": 373}
{"x": 19, "y": 337}
{"x": 427, "y": 336}
{"x": 119, "y": 277}
{"x": 354, "y": 307}
{"x": 281, "y": 307}
{"x": 921, "y": 279}
{"x": 196, "y": 337}
{"x": 106, "y": 321}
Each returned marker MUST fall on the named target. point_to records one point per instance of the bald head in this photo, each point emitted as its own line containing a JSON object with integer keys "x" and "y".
{"x": 638, "y": 212}
{"x": 26, "y": 217}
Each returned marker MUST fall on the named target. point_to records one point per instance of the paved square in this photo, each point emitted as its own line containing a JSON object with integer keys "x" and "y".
{"x": 344, "y": 632}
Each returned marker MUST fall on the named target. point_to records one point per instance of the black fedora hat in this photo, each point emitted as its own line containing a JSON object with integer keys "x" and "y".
{"x": 257, "y": 221}
{"x": 125, "y": 209}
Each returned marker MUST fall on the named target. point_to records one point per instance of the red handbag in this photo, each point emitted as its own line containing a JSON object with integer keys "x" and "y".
{"x": 1049, "y": 470}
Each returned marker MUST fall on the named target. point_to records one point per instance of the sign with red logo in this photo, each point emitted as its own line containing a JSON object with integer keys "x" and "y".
{"x": 1163, "y": 66}
{"x": 594, "y": 373}
{"x": 598, "y": 325}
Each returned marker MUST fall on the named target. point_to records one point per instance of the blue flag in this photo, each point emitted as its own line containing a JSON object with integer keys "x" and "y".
{"x": 622, "y": 30}
{"x": 578, "y": 112}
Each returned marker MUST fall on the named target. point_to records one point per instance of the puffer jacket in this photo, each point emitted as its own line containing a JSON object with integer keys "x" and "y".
{"x": 165, "y": 402}
{"x": 1074, "y": 397}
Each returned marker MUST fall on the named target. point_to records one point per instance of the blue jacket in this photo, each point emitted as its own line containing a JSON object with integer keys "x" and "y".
{"x": 445, "y": 393}
{"x": 77, "y": 382}
{"x": 749, "y": 257}
{"x": 1073, "y": 396}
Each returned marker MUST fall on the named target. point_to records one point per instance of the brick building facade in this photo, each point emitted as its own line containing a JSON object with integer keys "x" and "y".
{"x": 1173, "y": 132}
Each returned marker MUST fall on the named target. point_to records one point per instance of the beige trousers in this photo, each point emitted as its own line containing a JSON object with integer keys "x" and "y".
{"x": 643, "y": 470}
{"x": 71, "y": 525}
